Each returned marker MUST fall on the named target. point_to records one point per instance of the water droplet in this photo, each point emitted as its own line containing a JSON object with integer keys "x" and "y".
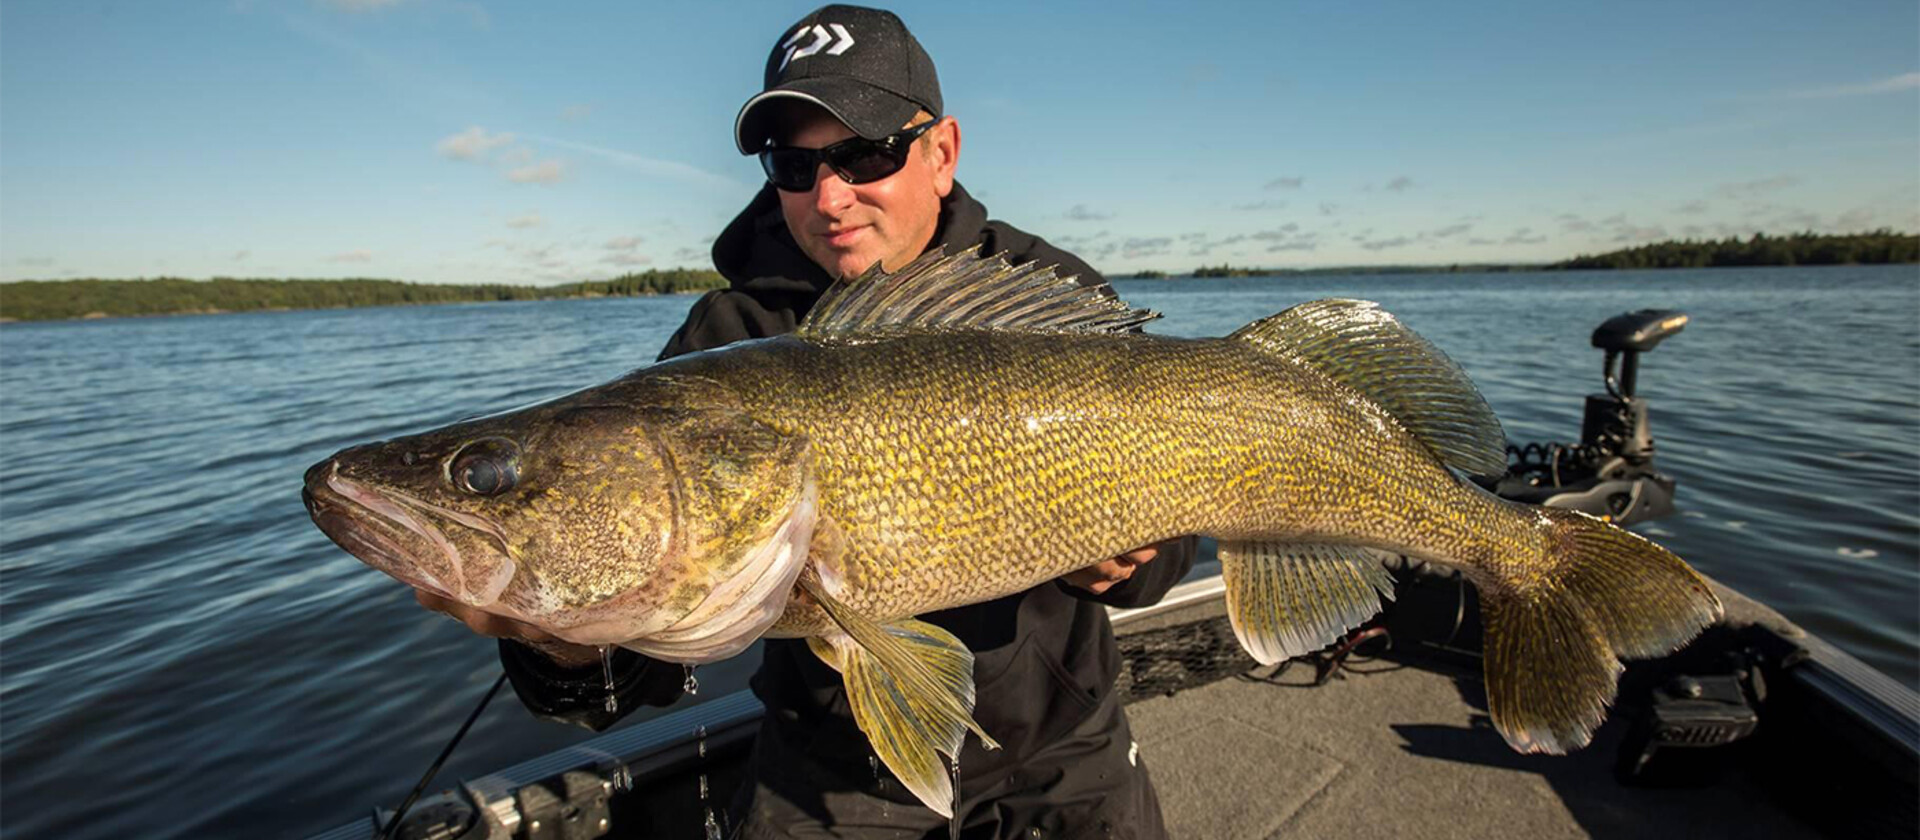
{"x": 622, "y": 778}
{"x": 953, "y": 822}
{"x": 1858, "y": 553}
{"x": 703, "y": 787}
{"x": 701, "y": 733}
{"x": 712, "y": 826}
{"x": 606, "y": 670}
{"x": 692, "y": 685}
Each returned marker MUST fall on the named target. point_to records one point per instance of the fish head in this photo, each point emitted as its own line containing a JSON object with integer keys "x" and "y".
{"x": 601, "y": 521}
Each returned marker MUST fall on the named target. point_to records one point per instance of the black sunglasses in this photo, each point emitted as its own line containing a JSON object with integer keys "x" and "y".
{"x": 856, "y": 160}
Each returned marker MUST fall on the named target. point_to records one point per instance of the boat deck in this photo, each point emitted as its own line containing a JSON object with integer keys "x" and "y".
{"x": 1404, "y": 752}
{"x": 1398, "y": 746}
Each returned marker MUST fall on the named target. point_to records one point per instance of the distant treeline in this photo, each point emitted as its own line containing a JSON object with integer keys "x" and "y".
{"x": 1878, "y": 247}
{"x": 1241, "y": 271}
{"x": 43, "y": 300}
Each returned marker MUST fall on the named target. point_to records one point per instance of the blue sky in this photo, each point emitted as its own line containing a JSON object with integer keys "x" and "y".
{"x": 456, "y": 141}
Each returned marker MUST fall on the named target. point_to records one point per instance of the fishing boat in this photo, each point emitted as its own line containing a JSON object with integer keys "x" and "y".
{"x": 1757, "y": 729}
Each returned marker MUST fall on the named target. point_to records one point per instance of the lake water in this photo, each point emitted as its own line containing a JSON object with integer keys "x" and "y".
{"x": 183, "y": 654}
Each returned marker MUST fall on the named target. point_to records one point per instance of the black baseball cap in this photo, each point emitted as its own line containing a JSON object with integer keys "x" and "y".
{"x": 860, "y": 64}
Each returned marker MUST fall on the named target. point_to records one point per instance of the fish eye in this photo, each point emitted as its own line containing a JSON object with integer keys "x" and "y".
{"x": 486, "y": 467}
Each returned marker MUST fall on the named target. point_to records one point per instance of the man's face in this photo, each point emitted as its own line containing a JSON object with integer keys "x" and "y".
{"x": 846, "y": 228}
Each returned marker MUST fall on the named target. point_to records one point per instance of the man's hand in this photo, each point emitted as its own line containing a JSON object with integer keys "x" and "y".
{"x": 1106, "y": 574}
{"x": 563, "y": 653}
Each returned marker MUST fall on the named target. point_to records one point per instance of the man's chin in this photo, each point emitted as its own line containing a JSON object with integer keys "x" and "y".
{"x": 849, "y": 265}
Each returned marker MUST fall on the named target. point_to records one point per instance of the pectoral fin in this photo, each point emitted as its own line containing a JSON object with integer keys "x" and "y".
{"x": 911, "y": 688}
{"x": 1289, "y": 599}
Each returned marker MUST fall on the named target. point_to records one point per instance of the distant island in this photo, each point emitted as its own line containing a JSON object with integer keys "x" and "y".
{"x": 47, "y": 300}
{"x": 1224, "y": 270}
{"x": 1878, "y": 247}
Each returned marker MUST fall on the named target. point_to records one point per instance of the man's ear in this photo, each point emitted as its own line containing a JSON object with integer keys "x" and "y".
{"x": 943, "y": 154}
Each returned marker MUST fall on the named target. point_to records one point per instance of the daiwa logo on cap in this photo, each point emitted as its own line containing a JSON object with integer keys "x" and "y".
{"x": 839, "y": 39}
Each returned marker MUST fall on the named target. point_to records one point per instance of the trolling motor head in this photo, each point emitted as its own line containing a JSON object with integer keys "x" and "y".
{"x": 1610, "y": 472}
{"x": 1617, "y": 420}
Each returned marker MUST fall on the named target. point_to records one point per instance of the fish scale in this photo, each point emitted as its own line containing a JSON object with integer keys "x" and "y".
{"x": 952, "y": 486}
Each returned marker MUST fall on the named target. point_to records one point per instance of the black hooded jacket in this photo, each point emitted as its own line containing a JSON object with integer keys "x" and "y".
{"x": 1043, "y": 658}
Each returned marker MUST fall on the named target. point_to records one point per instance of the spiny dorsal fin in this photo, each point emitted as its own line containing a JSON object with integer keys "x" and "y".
{"x": 1360, "y": 345}
{"x": 967, "y": 291}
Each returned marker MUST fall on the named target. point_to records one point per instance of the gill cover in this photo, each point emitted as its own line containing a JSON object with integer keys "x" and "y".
{"x": 743, "y": 516}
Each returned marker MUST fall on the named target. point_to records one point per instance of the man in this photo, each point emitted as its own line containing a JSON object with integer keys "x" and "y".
{"x": 860, "y": 160}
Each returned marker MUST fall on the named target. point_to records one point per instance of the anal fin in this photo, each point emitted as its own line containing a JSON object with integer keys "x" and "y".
{"x": 910, "y": 685}
{"x": 1290, "y": 599}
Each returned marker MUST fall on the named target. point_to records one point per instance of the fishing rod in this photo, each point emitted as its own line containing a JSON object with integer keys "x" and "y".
{"x": 394, "y": 823}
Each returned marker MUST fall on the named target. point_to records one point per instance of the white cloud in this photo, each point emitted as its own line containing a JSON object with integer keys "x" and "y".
{"x": 531, "y": 220}
{"x": 1757, "y": 188}
{"x": 1383, "y": 244}
{"x": 1400, "y": 183}
{"x": 654, "y": 167}
{"x": 622, "y": 243}
{"x": 241, "y": 255}
{"x": 1286, "y": 183}
{"x": 1081, "y": 213}
{"x": 1637, "y": 233}
{"x": 472, "y": 144}
{"x": 1572, "y": 223}
{"x": 577, "y": 111}
{"x": 544, "y": 172}
{"x": 1146, "y": 246}
{"x": 1891, "y": 84}
{"x": 356, "y": 256}
{"x": 361, "y": 5}
{"x": 626, "y": 258}
{"x": 1855, "y": 220}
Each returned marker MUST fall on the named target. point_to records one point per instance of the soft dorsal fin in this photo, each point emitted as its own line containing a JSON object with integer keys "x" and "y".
{"x": 967, "y": 291}
{"x": 1357, "y": 343}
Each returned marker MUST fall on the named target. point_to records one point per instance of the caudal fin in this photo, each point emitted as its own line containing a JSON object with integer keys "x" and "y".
{"x": 1553, "y": 649}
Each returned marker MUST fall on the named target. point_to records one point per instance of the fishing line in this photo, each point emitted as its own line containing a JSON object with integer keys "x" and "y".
{"x": 393, "y": 824}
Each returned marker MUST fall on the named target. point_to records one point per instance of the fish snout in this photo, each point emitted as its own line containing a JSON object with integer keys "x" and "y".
{"x": 316, "y": 477}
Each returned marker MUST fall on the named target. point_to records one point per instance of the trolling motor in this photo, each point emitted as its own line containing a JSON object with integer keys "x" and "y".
{"x": 1610, "y": 473}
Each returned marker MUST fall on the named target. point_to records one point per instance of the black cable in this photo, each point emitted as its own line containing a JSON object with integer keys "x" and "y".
{"x": 394, "y": 824}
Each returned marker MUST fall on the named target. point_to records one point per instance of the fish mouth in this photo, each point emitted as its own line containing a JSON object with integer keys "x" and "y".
{"x": 398, "y": 535}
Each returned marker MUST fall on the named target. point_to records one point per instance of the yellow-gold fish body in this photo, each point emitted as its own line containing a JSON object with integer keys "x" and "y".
{"x": 962, "y": 430}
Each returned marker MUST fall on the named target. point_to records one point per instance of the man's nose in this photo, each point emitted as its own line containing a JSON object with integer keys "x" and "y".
{"x": 831, "y": 194}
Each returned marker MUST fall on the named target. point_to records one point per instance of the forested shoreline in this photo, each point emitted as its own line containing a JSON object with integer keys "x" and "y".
{"x": 49, "y": 300}
{"x": 1878, "y": 247}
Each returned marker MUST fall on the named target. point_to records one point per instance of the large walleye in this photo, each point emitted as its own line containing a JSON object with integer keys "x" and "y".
{"x": 962, "y": 430}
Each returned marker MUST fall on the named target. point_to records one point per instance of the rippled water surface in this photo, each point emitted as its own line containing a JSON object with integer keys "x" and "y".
{"x": 183, "y": 654}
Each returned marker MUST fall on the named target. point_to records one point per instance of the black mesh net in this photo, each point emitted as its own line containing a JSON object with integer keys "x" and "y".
{"x": 1158, "y": 662}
